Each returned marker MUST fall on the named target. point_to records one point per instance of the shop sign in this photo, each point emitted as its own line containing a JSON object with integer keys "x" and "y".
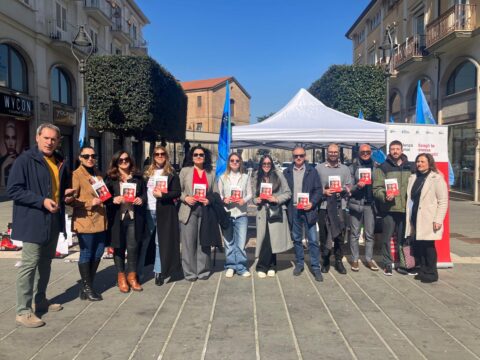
{"x": 63, "y": 116}
{"x": 15, "y": 105}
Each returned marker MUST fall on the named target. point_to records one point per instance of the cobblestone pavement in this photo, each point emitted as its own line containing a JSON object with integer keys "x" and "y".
{"x": 363, "y": 315}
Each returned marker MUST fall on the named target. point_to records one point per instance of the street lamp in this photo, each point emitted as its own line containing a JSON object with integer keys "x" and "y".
{"x": 82, "y": 41}
{"x": 388, "y": 48}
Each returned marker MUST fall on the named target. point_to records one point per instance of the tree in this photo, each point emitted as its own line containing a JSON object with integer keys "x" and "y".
{"x": 134, "y": 95}
{"x": 264, "y": 117}
{"x": 351, "y": 88}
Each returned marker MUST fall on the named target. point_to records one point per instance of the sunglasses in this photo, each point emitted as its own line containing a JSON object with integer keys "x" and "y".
{"x": 160, "y": 154}
{"x": 365, "y": 152}
{"x": 199, "y": 155}
{"x": 298, "y": 156}
{"x": 233, "y": 161}
{"x": 123, "y": 160}
{"x": 88, "y": 156}
{"x": 267, "y": 164}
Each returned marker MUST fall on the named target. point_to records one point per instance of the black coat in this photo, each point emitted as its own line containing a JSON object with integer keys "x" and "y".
{"x": 29, "y": 184}
{"x": 213, "y": 215}
{"x": 113, "y": 210}
{"x": 167, "y": 229}
{"x": 311, "y": 184}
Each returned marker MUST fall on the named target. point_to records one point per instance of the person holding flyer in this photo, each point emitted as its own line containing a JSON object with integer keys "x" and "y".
{"x": 235, "y": 236}
{"x": 161, "y": 219}
{"x": 196, "y": 260}
{"x": 89, "y": 221}
{"x": 428, "y": 202}
{"x": 390, "y": 206}
{"x": 125, "y": 219}
{"x": 303, "y": 178}
{"x": 273, "y": 235}
{"x": 361, "y": 206}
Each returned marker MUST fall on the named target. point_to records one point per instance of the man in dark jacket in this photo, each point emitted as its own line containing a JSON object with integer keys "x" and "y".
{"x": 361, "y": 207}
{"x": 36, "y": 185}
{"x": 392, "y": 207}
{"x": 303, "y": 178}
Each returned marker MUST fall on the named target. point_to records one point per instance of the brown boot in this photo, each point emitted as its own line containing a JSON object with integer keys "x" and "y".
{"x": 132, "y": 281}
{"x": 122, "y": 283}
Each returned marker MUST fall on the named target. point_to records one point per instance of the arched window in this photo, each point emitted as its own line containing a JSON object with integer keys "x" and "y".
{"x": 13, "y": 70}
{"x": 464, "y": 77}
{"x": 426, "y": 88}
{"x": 61, "y": 87}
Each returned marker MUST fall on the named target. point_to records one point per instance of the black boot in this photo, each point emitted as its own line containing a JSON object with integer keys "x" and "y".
{"x": 93, "y": 271}
{"x": 159, "y": 279}
{"x": 339, "y": 267}
{"x": 86, "y": 283}
{"x": 326, "y": 263}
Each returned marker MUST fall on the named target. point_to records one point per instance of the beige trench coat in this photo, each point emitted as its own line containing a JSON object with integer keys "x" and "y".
{"x": 432, "y": 208}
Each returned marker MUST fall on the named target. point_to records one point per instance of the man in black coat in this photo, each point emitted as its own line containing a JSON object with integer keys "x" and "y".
{"x": 302, "y": 213}
{"x": 37, "y": 184}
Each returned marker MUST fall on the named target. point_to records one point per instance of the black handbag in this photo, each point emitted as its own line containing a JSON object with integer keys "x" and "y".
{"x": 274, "y": 213}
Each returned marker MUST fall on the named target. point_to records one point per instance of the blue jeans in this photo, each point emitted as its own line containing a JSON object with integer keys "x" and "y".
{"x": 235, "y": 239}
{"x": 151, "y": 221}
{"x": 91, "y": 246}
{"x": 299, "y": 223}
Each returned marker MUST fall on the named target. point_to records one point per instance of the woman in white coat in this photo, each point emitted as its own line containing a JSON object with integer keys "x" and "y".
{"x": 427, "y": 206}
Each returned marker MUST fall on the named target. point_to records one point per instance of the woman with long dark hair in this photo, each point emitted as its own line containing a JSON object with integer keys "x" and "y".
{"x": 273, "y": 234}
{"x": 126, "y": 217}
{"x": 197, "y": 180}
{"x": 427, "y": 205}
{"x": 235, "y": 189}
{"x": 89, "y": 221}
{"x": 163, "y": 189}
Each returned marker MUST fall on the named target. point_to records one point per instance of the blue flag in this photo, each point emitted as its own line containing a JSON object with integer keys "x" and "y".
{"x": 391, "y": 119}
{"x": 225, "y": 136}
{"x": 424, "y": 115}
{"x": 83, "y": 124}
{"x": 360, "y": 115}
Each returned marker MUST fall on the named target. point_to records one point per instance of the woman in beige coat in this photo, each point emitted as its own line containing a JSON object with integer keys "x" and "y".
{"x": 427, "y": 206}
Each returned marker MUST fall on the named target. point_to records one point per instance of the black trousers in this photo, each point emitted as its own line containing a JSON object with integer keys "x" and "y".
{"x": 426, "y": 254}
{"x": 266, "y": 259}
{"x": 323, "y": 233}
{"x": 128, "y": 242}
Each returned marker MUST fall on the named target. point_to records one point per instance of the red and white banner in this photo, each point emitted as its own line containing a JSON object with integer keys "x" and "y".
{"x": 432, "y": 139}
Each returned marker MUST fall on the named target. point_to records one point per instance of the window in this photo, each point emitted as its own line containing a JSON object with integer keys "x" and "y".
{"x": 375, "y": 21}
{"x": 118, "y": 51}
{"x": 133, "y": 31}
{"x": 61, "y": 17}
{"x": 199, "y": 127}
{"x": 232, "y": 108}
{"x": 13, "y": 70}
{"x": 464, "y": 77}
{"x": 60, "y": 87}
{"x": 372, "y": 57}
{"x": 361, "y": 37}
{"x": 94, "y": 36}
{"x": 199, "y": 101}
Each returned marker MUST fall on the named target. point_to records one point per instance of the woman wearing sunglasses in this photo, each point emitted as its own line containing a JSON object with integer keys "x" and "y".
{"x": 273, "y": 235}
{"x": 89, "y": 221}
{"x": 125, "y": 219}
{"x": 196, "y": 180}
{"x": 235, "y": 190}
{"x": 163, "y": 188}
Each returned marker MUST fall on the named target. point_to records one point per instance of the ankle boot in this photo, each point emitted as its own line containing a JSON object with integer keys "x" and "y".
{"x": 88, "y": 293}
{"x": 133, "y": 282}
{"x": 93, "y": 271}
{"x": 339, "y": 267}
{"x": 325, "y": 264}
{"x": 159, "y": 280}
{"x": 122, "y": 283}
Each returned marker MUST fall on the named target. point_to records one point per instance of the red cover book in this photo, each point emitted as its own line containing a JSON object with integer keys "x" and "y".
{"x": 128, "y": 191}
{"x": 335, "y": 183}
{"x": 302, "y": 200}
{"x": 199, "y": 191}
{"x": 391, "y": 185}
{"x": 235, "y": 193}
{"x": 365, "y": 175}
{"x": 161, "y": 182}
{"x": 265, "y": 190}
{"x": 101, "y": 190}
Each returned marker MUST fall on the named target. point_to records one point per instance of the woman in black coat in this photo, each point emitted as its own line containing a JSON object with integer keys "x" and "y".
{"x": 162, "y": 218}
{"x": 126, "y": 220}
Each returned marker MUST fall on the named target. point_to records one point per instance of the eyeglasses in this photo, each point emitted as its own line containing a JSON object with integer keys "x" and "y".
{"x": 123, "y": 160}
{"x": 233, "y": 161}
{"x": 365, "y": 152}
{"x": 160, "y": 154}
{"x": 88, "y": 156}
{"x": 267, "y": 164}
{"x": 199, "y": 155}
{"x": 333, "y": 152}
{"x": 298, "y": 156}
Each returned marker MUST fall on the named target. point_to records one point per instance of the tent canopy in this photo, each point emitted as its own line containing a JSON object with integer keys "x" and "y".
{"x": 308, "y": 122}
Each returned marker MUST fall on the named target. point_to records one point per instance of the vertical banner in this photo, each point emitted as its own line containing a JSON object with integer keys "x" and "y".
{"x": 432, "y": 139}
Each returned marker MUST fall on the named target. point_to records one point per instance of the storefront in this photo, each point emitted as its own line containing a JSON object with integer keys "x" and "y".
{"x": 462, "y": 155}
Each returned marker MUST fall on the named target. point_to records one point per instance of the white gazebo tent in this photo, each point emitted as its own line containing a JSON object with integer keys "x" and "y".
{"x": 307, "y": 121}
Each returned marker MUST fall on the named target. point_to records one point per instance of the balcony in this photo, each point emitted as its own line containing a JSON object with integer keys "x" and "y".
{"x": 139, "y": 46}
{"x": 99, "y": 10}
{"x": 120, "y": 31}
{"x": 413, "y": 49}
{"x": 458, "y": 21}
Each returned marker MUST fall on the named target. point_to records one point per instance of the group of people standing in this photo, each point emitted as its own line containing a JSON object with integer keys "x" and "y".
{"x": 150, "y": 228}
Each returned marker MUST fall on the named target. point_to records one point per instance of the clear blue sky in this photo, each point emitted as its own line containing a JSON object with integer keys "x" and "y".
{"x": 272, "y": 47}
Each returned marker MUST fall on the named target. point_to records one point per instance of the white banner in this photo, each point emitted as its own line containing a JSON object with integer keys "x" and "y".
{"x": 417, "y": 139}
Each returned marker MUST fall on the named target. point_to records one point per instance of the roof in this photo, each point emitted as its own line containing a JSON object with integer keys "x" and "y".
{"x": 207, "y": 84}
{"x": 139, "y": 11}
{"x": 362, "y": 15}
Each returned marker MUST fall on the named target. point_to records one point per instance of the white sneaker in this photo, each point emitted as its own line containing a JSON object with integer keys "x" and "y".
{"x": 246, "y": 274}
{"x": 271, "y": 273}
{"x": 261, "y": 274}
{"x": 229, "y": 273}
